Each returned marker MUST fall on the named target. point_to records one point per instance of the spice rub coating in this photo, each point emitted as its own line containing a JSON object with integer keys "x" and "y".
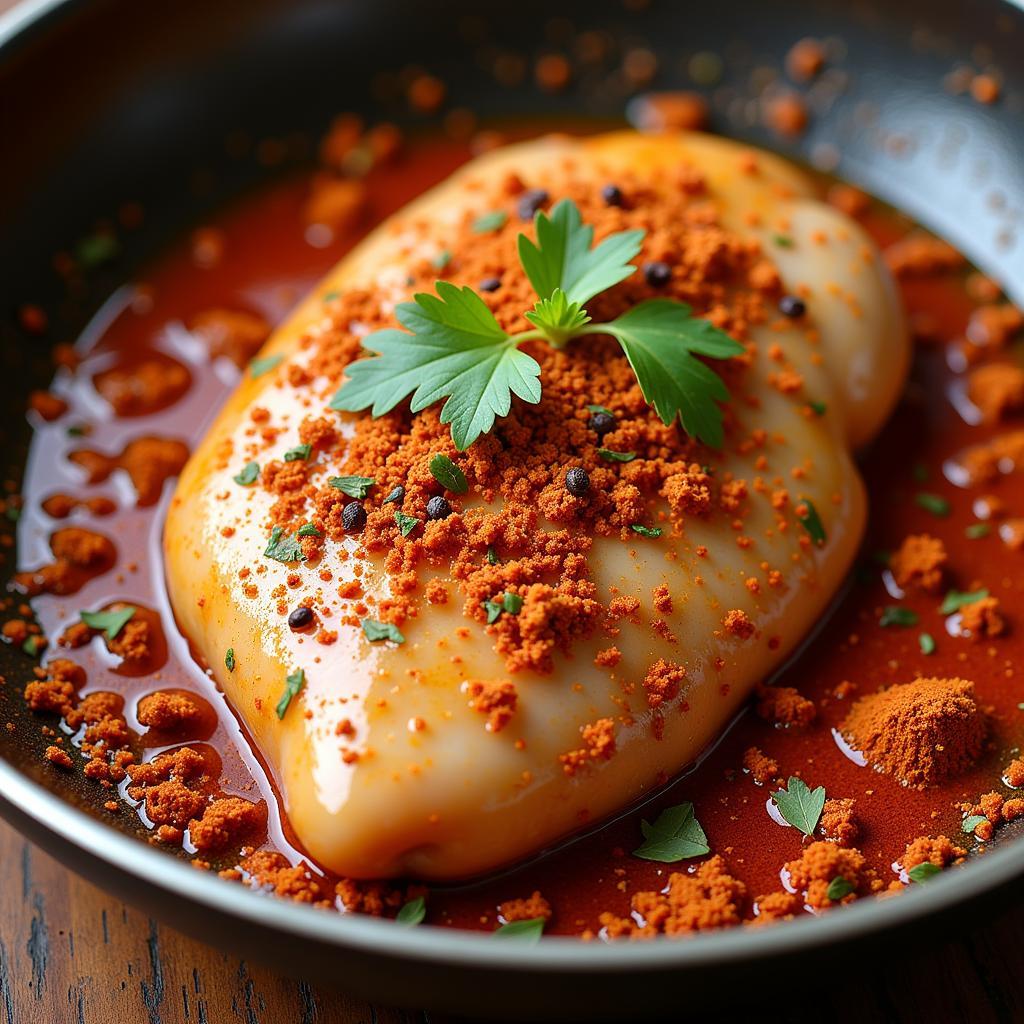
{"x": 385, "y": 760}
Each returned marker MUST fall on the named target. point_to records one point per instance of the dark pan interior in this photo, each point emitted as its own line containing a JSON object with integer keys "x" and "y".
{"x": 164, "y": 104}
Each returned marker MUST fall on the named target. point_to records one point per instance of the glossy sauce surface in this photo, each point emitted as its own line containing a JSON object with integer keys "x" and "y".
{"x": 265, "y": 267}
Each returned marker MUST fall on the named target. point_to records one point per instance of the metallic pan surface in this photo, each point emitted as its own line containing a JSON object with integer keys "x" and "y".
{"x": 109, "y": 100}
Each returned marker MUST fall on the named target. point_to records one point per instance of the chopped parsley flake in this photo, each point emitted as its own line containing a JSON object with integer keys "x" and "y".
{"x": 441, "y": 260}
{"x": 448, "y": 475}
{"x": 923, "y": 871}
{"x": 646, "y": 531}
{"x": 600, "y": 408}
{"x": 511, "y": 603}
{"x": 299, "y": 453}
{"x": 783, "y": 241}
{"x": 956, "y": 599}
{"x": 229, "y": 659}
{"x": 353, "y": 486}
{"x": 492, "y": 221}
{"x": 838, "y": 888}
{"x": 894, "y": 615}
{"x": 818, "y": 408}
{"x": 376, "y": 631}
{"x": 529, "y": 930}
{"x": 406, "y": 524}
{"x": 927, "y": 642}
{"x": 292, "y": 685}
{"x": 412, "y": 913}
{"x": 492, "y": 555}
{"x": 308, "y": 530}
{"x": 249, "y": 474}
{"x": 811, "y": 521}
{"x": 31, "y": 646}
{"x": 610, "y": 456}
{"x": 259, "y": 367}
{"x": 674, "y": 835}
{"x": 799, "y": 805}
{"x": 396, "y": 497}
{"x": 284, "y": 548}
{"x": 971, "y": 822}
{"x": 110, "y": 622}
{"x": 977, "y": 530}
{"x": 934, "y": 503}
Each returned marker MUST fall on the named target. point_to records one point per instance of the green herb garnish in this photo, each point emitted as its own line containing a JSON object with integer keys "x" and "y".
{"x": 811, "y": 521}
{"x": 511, "y": 603}
{"x": 292, "y": 685}
{"x": 818, "y": 408}
{"x": 406, "y": 524}
{"x": 923, "y": 871}
{"x": 376, "y": 631}
{"x": 308, "y": 530}
{"x": 675, "y": 835}
{"x": 800, "y": 806}
{"x": 972, "y": 822}
{"x": 492, "y": 555}
{"x": 894, "y": 615}
{"x": 492, "y": 221}
{"x": 249, "y": 474}
{"x": 609, "y": 456}
{"x": 441, "y": 260}
{"x": 111, "y": 622}
{"x": 396, "y": 496}
{"x": 600, "y": 408}
{"x": 956, "y": 599}
{"x": 299, "y": 453}
{"x": 977, "y": 530}
{"x": 96, "y": 250}
{"x": 454, "y": 349}
{"x": 229, "y": 659}
{"x": 283, "y": 547}
{"x": 31, "y": 646}
{"x": 838, "y": 888}
{"x": 646, "y": 531}
{"x": 927, "y": 643}
{"x": 412, "y": 913}
{"x": 258, "y": 367}
{"x": 783, "y": 241}
{"x": 934, "y": 503}
{"x": 353, "y": 486}
{"x": 529, "y": 930}
{"x": 448, "y": 475}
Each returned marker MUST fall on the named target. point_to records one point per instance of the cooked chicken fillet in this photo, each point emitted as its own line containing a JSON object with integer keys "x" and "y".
{"x": 384, "y": 766}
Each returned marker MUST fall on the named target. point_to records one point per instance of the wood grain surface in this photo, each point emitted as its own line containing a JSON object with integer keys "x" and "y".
{"x": 70, "y": 954}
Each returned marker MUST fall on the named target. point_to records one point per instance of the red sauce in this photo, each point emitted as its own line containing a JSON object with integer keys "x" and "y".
{"x": 256, "y": 260}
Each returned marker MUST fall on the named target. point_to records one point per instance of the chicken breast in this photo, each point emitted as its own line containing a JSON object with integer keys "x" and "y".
{"x": 391, "y": 759}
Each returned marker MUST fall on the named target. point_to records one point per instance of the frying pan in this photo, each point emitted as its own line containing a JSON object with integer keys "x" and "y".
{"x": 112, "y": 100}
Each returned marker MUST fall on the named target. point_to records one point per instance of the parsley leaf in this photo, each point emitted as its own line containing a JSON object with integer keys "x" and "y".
{"x": 284, "y": 548}
{"x": 448, "y": 474}
{"x": 292, "y": 685}
{"x": 956, "y": 599}
{"x": 927, "y": 643}
{"x": 454, "y": 349}
{"x": 800, "y": 806}
{"x": 229, "y": 659}
{"x": 934, "y": 503}
{"x": 529, "y": 930}
{"x": 971, "y": 822}
{"x": 308, "y": 530}
{"x": 557, "y": 317}
{"x": 510, "y": 602}
{"x": 412, "y": 913}
{"x": 259, "y": 367}
{"x": 110, "y": 622}
{"x": 661, "y": 339}
{"x": 894, "y": 615}
{"x": 299, "y": 453}
{"x": 353, "y": 486}
{"x": 923, "y": 871}
{"x": 562, "y": 256}
{"x": 675, "y": 835}
{"x": 492, "y": 221}
{"x": 406, "y": 524}
{"x": 977, "y": 530}
{"x": 249, "y": 474}
{"x": 375, "y": 631}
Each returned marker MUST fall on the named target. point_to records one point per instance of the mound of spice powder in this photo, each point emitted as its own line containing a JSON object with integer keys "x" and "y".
{"x": 920, "y": 732}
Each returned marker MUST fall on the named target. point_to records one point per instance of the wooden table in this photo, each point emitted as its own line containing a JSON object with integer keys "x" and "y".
{"x": 69, "y": 954}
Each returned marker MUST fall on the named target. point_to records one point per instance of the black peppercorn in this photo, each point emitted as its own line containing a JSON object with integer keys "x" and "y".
{"x": 612, "y": 195}
{"x": 353, "y": 517}
{"x": 601, "y": 423}
{"x": 657, "y": 274}
{"x": 577, "y": 483}
{"x": 792, "y": 306}
{"x": 530, "y": 202}
{"x": 438, "y": 508}
{"x": 490, "y": 284}
{"x": 301, "y": 617}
